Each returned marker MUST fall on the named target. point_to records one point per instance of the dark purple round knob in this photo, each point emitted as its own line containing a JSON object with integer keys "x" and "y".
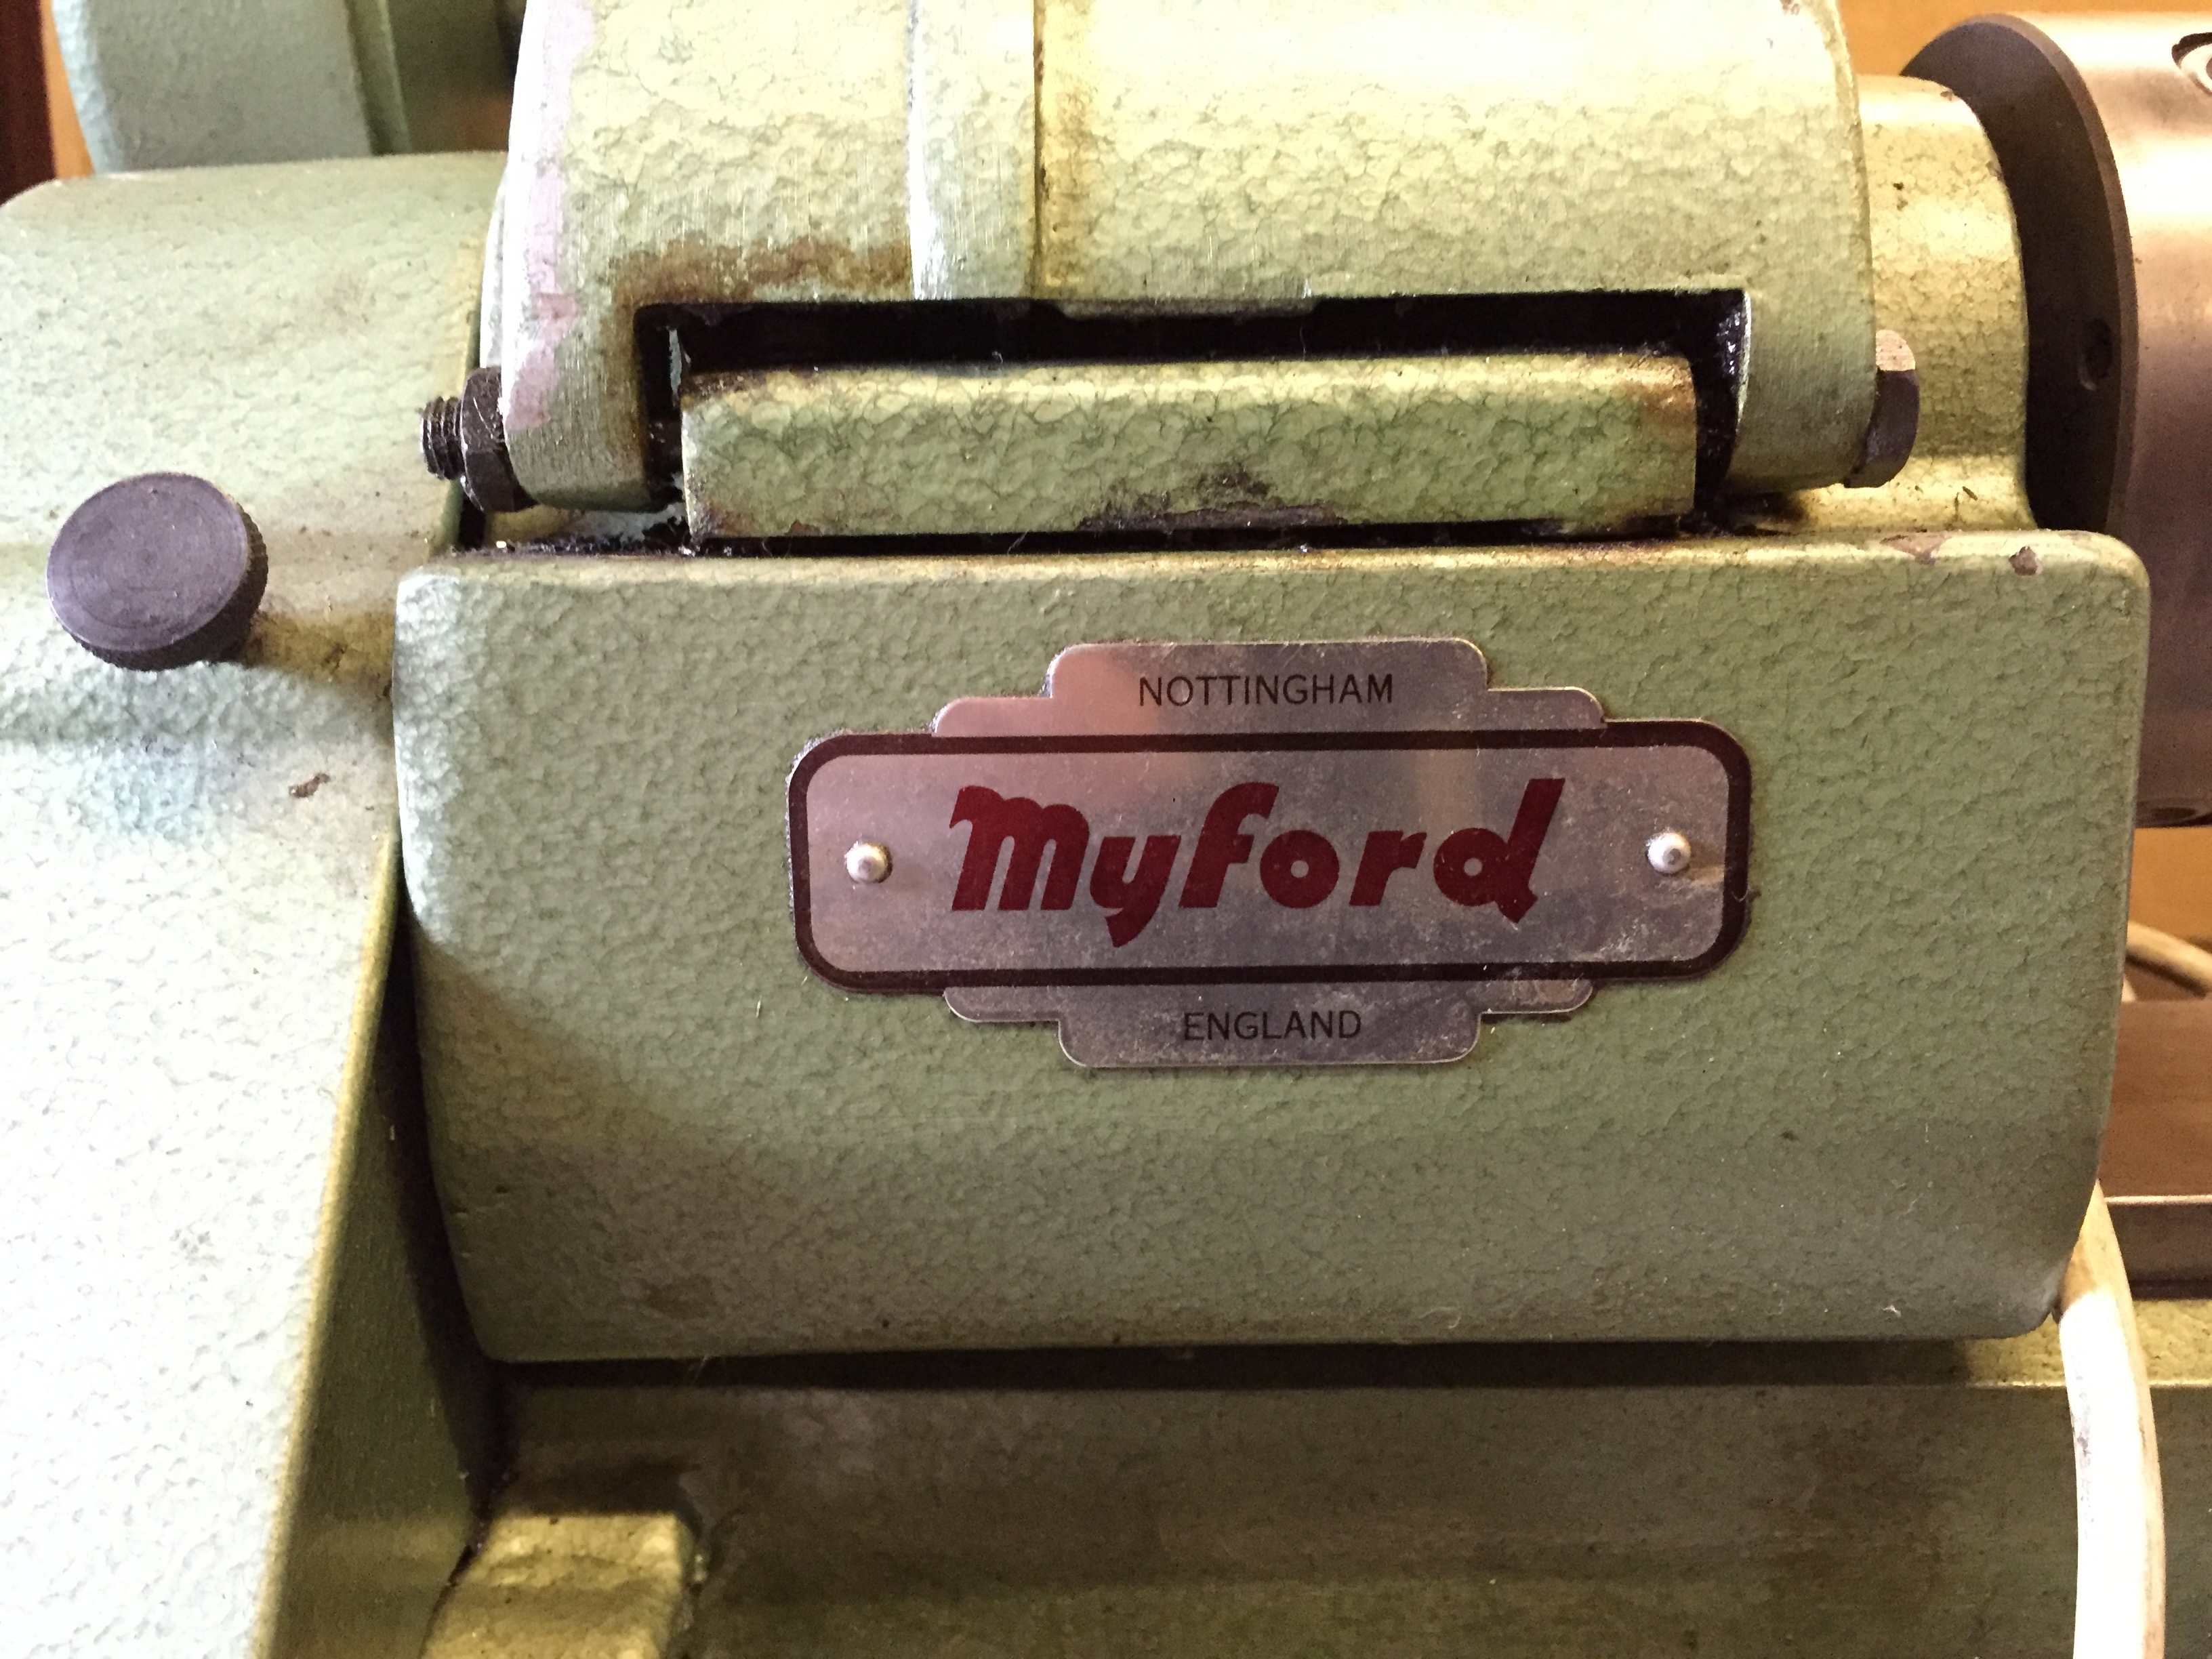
{"x": 157, "y": 571}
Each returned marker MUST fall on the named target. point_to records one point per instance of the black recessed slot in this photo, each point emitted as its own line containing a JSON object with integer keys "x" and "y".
{"x": 677, "y": 341}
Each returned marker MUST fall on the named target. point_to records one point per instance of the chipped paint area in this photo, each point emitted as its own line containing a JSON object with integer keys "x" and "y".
{"x": 1947, "y": 278}
{"x": 556, "y": 35}
{"x": 611, "y": 1583}
{"x": 727, "y": 150}
{"x": 1704, "y": 145}
{"x": 971, "y": 147}
{"x": 1586, "y": 441}
{"x": 699, "y": 149}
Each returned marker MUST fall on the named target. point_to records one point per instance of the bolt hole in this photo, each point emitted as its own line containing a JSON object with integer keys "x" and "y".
{"x": 2096, "y": 363}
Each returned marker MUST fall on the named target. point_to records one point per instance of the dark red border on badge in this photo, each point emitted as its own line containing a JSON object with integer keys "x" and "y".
{"x": 1736, "y": 881}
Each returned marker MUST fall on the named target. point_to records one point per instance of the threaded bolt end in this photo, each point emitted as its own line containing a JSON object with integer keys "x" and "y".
{"x": 441, "y": 438}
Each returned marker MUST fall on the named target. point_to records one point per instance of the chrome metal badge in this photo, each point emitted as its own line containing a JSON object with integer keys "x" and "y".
{"x": 1334, "y": 853}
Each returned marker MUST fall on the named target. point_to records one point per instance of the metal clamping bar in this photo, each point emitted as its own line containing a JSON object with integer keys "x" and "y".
{"x": 1586, "y": 441}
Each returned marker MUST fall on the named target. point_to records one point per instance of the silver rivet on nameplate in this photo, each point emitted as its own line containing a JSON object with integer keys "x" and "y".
{"x": 868, "y": 860}
{"x": 1668, "y": 852}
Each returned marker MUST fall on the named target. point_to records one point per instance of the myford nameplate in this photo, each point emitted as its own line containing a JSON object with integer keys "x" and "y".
{"x": 1336, "y": 854}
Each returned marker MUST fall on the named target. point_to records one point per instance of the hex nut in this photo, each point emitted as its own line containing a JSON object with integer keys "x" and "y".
{"x": 157, "y": 571}
{"x": 465, "y": 439}
{"x": 1896, "y": 424}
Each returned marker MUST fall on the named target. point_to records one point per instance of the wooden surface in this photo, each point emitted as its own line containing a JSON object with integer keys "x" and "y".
{"x": 2160, "y": 1144}
{"x": 2157, "y": 1169}
{"x": 25, "y": 149}
{"x": 1884, "y": 33}
{"x": 2173, "y": 885}
{"x": 70, "y": 161}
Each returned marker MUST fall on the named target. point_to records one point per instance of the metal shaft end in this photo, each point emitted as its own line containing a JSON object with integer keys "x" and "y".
{"x": 441, "y": 438}
{"x": 1896, "y": 424}
{"x": 465, "y": 440}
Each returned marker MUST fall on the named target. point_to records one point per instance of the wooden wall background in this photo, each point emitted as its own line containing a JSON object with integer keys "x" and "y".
{"x": 69, "y": 160}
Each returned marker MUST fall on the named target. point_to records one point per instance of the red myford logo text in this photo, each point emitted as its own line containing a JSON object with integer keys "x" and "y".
{"x": 1298, "y": 868}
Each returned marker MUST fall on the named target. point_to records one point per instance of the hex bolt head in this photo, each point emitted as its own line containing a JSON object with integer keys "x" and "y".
{"x": 1668, "y": 852}
{"x": 868, "y": 861}
{"x": 1896, "y": 424}
{"x": 156, "y": 572}
{"x": 465, "y": 438}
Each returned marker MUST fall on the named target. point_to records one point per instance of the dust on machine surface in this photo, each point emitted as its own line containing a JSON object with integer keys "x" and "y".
{"x": 1048, "y": 829}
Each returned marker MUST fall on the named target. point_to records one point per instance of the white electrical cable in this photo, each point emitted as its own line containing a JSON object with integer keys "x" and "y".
{"x": 2176, "y": 958}
{"x": 2119, "y": 1582}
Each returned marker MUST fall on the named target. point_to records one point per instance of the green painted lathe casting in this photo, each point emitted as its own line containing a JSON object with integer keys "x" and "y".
{"x": 1164, "y": 828}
